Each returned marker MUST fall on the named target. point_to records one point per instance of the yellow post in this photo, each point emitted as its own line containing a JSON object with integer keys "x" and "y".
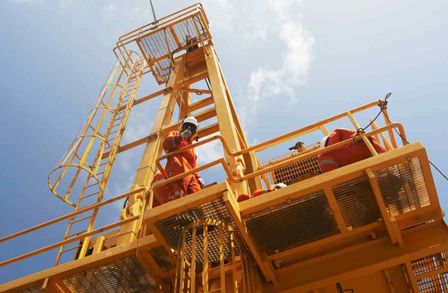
{"x": 147, "y": 168}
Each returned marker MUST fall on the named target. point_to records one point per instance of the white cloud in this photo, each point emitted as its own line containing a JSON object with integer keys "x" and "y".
{"x": 262, "y": 26}
{"x": 266, "y": 82}
{"x": 209, "y": 152}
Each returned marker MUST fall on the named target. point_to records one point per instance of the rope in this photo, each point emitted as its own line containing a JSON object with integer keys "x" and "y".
{"x": 153, "y": 13}
{"x": 383, "y": 106}
{"x": 207, "y": 83}
{"x": 430, "y": 162}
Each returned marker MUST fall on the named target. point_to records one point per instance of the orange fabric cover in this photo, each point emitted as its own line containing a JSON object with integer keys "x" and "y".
{"x": 354, "y": 152}
{"x": 243, "y": 197}
{"x": 165, "y": 193}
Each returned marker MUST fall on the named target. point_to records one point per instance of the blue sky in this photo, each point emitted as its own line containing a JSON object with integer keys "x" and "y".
{"x": 288, "y": 64}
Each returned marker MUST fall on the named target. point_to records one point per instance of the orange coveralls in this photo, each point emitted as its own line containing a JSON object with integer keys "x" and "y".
{"x": 177, "y": 164}
{"x": 354, "y": 152}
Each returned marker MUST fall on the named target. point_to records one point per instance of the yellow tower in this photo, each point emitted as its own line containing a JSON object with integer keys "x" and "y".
{"x": 274, "y": 225}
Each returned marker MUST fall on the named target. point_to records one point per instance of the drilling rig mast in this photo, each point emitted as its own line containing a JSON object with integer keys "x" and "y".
{"x": 353, "y": 229}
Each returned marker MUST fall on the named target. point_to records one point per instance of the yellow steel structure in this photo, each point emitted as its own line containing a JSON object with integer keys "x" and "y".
{"x": 349, "y": 230}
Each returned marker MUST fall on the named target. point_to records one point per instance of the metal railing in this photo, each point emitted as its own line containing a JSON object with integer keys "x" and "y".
{"x": 230, "y": 177}
{"x": 74, "y": 238}
{"x": 161, "y": 40}
{"x": 319, "y": 126}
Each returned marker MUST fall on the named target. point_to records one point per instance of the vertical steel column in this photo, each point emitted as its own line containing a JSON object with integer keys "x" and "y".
{"x": 227, "y": 125}
{"x": 153, "y": 150}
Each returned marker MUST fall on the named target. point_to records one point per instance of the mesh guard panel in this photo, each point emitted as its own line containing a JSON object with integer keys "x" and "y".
{"x": 294, "y": 172}
{"x": 161, "y": 257}
{"x": 123, "y": 275}
{"x": 431, "y": 265}
{"x": 357, "y": 202}
{"x": 403, "y": 187}
{"x": 159, "y": 46}
{"x": 291, "y": 224}
{"x": 171, "y": 227}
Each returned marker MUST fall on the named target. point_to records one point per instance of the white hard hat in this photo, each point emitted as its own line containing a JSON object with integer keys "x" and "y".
{"x": 323, "y": 142}
{"x": 279, "y": 185}
{"x": 191, "y": 120}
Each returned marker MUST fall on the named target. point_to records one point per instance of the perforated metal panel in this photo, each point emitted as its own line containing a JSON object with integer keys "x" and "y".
{"x": 161, "y": 257}
{"x": 403, "y": 187}
{"x": 291, "y": 224}
{"x": 124, "y": 275}
{"x": 296, "y": 171}
{"x": 434, "y": 269}
{"x": 171, "y": 227}
{"x": 160, "y": 45}
{"x": 357, "y": 202}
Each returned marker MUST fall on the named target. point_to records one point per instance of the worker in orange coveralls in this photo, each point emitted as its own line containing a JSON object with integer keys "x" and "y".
{"x": 354, "y": 152}
{"x": 179, "y": 163}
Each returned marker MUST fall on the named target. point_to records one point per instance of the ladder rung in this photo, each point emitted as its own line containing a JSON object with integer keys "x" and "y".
{"x": 102, "y": 164}
{"x": 89, "y": 195}
{"x": 115, "y": 130}
{"x": 82, "y": 219}
{"x": 93, "y": 184}
{"x": 75, "y": 234}
{"x": 100, "y": 169}
{"x": 69, "y": 249}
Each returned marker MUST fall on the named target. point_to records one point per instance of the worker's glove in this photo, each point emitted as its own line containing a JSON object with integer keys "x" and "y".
{"x": 201, "y": 181}
{"x": 186, "y": 134}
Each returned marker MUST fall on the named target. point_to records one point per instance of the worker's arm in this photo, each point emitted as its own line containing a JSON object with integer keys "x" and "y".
{"x": 172, "y": 142}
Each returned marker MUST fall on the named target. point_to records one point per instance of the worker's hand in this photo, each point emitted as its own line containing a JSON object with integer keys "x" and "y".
{"x": 186, "y": 134}
{"x": 201, "y": 181}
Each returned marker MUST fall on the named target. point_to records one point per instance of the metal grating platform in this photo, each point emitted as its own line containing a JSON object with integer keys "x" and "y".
{"x": 357, "y": 202}
{"x": 123, "y": 275}
{"x": 171, "y": 227}
{"x": 403, "y": 187}
{"x": 434, "y": 267}
{"x": 291, "y": 224}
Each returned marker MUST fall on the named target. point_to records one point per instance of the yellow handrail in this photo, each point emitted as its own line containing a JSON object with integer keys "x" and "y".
{"x": 270, "y": 168}
{"x": 80, "y": 211}
{"x": 69, "y": 240}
